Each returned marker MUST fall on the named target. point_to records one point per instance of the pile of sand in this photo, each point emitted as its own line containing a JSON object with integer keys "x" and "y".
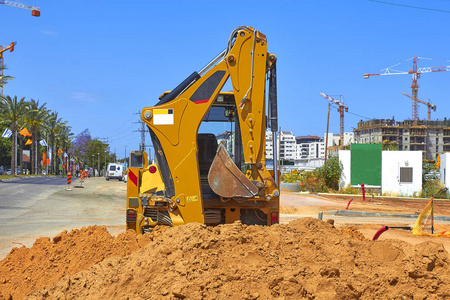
{"x": 306, "y": 259}
{"x": 24, "y": 270}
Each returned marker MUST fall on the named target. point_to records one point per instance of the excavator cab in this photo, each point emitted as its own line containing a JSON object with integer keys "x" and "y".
{"x": 201, "y": 174}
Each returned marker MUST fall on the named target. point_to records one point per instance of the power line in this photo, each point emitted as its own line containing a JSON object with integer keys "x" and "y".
{"x": 410, "y": 6}
{"x": 120, "y": 127}
{"x": 359, "y": 115}
{"x": 348, "y": 112}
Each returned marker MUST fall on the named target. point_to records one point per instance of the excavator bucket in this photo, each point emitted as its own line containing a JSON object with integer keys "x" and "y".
{"x": 226, "y": 179}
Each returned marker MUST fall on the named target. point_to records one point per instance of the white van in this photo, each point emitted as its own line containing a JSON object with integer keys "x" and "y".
{"x": 114, "y": 171}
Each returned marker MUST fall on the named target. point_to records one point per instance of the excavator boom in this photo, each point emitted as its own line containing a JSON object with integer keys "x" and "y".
{"x": 195, "y": 187}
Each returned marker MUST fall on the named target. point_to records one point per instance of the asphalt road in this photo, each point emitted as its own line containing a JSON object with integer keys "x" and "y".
{"x": 40, "y": 206}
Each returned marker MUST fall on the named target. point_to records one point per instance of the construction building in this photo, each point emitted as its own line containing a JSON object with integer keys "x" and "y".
{"x": 430, "y": 137}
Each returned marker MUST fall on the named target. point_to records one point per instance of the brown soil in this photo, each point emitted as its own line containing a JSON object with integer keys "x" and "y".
{"x": 305, "y": 259}
{"x": 27, "y": 269}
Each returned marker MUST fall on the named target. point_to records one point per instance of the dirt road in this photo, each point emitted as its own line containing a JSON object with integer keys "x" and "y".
{"x": 296, "y": 205}
{"x": 102, "y": 202}
{"x": 51, "y": 211}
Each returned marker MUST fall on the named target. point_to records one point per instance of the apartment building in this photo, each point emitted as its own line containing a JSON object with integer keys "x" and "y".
{"x": 287, "y": 149}
{"x": 309, "y": 146}
{"x": 430, "y": 137}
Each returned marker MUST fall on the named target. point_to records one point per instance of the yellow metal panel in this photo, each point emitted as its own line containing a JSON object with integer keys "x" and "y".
{"x": 151, "y": 182}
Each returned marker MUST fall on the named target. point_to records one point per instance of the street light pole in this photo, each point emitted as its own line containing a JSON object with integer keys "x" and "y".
{"x": 93, "y": 170}
{"x": 105, "y": 164}
{"x": 98, "y": 153}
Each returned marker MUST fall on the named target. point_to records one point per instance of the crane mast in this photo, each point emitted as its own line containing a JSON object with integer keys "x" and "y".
{"x": 430, "y": 106}
{"x": 415, "y": 75}
{"x": 35, "y": 11}
{"x": 341, "y": 108}
{"x": 10, "y": 47}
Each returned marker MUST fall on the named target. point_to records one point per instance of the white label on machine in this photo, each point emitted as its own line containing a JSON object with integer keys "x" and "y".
{"x": 163, "y": 117}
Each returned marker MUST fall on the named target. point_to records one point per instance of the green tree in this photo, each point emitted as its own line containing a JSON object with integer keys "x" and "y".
{"x": 53, "y": 125}
{"x": 63, "y": 140}
{"x": 12, "y": 111}
{"x": 331, "y": 172}
{"x": 35, "y": 118}
{"x": 389, "y": 145}
{"x": 5, "y": 146}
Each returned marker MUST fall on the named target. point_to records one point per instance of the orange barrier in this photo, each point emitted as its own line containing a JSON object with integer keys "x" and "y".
{"x": 69, "y": 181}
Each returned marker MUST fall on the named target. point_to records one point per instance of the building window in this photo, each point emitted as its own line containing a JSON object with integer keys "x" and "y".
{"x": 406, "y": 175}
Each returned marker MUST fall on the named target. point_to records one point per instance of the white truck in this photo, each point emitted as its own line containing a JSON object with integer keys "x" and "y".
{"x": 114, "y": 171}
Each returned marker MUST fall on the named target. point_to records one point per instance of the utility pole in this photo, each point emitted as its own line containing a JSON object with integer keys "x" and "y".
{"x": 125, "y": 153}
{"x": 142, "y": 144}
{"x": 10, "y": 47}
{"x": 142, "y": 130}
{"x": 114, "y": 155}
{"x": 326, "y": 136}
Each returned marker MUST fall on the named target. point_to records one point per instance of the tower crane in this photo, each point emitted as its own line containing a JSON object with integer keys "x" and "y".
{"x": 341, "y": 108}
{"x": 415, "y": 75}
{"x": 35, "y": 11}
{"x": 430, "y": 106}
{"x": 10, "y": 47}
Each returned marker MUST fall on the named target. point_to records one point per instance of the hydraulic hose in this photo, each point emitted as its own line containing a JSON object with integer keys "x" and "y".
{"x": 379, "y": 232}
{"x": 348, "y": 204}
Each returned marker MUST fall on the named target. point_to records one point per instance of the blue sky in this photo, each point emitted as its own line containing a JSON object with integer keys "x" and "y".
{"x": 97, "y": 63}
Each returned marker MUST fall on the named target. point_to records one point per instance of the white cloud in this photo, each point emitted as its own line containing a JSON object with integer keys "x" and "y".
{"x": 48, "y": 32}
{"x": 84, "y": 97}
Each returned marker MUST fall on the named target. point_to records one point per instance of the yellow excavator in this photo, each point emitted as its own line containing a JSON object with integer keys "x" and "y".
{"x": 195, "y": 175}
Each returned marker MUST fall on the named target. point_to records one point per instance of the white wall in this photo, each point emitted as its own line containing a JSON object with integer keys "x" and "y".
{"x": 444, "y": 169}
{"x": 391, "y": 162}
{"x": 345, "y": 159}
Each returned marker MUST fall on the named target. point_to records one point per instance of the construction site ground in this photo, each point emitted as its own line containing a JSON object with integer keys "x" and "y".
{"x": 303, "y": 258}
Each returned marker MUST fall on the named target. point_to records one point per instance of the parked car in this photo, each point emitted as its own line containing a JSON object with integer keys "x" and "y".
{"x": 8, "y": 172}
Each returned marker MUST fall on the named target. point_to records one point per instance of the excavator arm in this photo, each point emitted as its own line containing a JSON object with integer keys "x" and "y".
{"x": 174, "y": 122}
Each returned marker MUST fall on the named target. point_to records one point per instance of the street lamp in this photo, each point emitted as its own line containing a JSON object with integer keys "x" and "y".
{"x": 98, "y": 153}
{"x": 105, "y": 164}
{"x": 93, "y": 165}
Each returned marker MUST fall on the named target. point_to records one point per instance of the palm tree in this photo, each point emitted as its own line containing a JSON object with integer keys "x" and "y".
{"x": 53, "y": 126}
{"x": 3, "y": 79}
{"x": 65, "y": 139}
{"x": 21, "y": 124}
{"x": 12, "y": 110}
{"x": 36, "y": 118}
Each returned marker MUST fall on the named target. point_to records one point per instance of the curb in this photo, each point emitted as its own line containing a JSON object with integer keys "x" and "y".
{"x": 20, "y": 178}
{"x": 373, "y": 214}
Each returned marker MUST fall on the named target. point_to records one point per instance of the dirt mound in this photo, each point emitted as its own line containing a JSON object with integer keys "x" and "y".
{"x": 27, "y": 269}
{"x": 306, "y": 259}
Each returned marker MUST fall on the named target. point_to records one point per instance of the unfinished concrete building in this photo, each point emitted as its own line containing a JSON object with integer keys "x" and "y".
{"x": 430, "y": 137}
